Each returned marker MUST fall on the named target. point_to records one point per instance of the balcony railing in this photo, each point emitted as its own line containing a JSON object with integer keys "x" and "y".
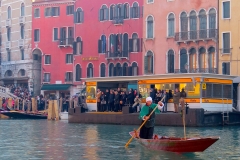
{"x": 65, "y": 42}
{"x": 8, "y": 45}
{"x": 21, "y": 20}
{"x": 115, "y": 55}
{"x": 68, "y": 80}
{"x": 8, "y": 23}
{"x": 118, "y": 21}
{"x": 196, "y": 35}
{"x": 21, "y": 43}
{"x": 46, "y": 79}
{"x": 197, "y": 70}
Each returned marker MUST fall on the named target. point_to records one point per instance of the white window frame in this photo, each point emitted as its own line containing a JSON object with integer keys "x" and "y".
{"x": 229, "y": 9}
{"x": 34, "y": 12}
{"x": 147, "y": 27}
{"x": 229, "y": 41}
{"x": 152, "y": 1}
{"x": 45, "y": 59}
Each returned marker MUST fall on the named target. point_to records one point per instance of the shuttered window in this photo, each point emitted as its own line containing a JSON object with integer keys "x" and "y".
{"x": 78, "y": 72}
{"x": 148, "y": 63}
{"x": 103, "y": 70}
{"x": 226, "y": 9}
{"x": 226, "y": 68}
{"x": 150, "y": 27}
{"x": 226, "y": 43}
{"x": 170, "y": 61}
{"x": 90, "y": 70}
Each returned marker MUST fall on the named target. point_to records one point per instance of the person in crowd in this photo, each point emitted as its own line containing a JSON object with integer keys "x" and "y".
{"x": 103, "y": 102}
{"x": 152, "y": 93}
{"x": 111, "y": 101}
{"x": 123, "y": 100}
{"x": 158, "y": 96}
{"x": 183, "y": 95}
{"x": 116, "y": 101}
{"x": 176, "y": 98}
{"x": 107, "y": 98}
{"x": 130, "y": 98}
{"x": 165, "y": 100}
{"x": 146, "y": 132}
{"x": 99, "y": 93}
{"x": 137, "y": 105}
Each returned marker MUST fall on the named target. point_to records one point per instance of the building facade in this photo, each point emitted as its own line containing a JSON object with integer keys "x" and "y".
{"x": 53, "y": 35}
{"x": 16, "y": 30}
{"x": 108, "y": 39}
{"x": 180, "y": 36}
{"x": 229, "y": 18}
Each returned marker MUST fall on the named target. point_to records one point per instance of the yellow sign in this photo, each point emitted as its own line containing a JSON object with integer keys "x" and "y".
{"x": 220, "y": 101}
{"x": 90, "y": 58}
{"x": 91, "y": 83}
{"x": 91, "y": 101}
{"x": 221, "y": 81}
{"x": 204, "y": 86}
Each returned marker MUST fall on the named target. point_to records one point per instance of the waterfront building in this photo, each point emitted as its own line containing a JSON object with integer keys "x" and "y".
{"x": 16, "y": 49}
{"x": 108, "y": 39}
{"x": 229, "y": 43}
{"x": 180, "y": 36}
{"x": 53, "y": 35}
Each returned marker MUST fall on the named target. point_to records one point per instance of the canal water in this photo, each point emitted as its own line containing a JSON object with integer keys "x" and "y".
{"x": 42, "y": 139}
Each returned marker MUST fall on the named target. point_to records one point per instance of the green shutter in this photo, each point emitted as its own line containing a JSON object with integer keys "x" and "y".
{"x": 145, "y": 64}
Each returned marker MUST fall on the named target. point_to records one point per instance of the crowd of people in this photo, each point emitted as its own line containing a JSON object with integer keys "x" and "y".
{"x": 115, "y": 100}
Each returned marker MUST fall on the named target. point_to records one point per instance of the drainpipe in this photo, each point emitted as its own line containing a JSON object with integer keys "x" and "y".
{"x": 217, "y": 41}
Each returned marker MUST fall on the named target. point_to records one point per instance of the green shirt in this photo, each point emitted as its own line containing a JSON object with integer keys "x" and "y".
{"x": 145, "y": 110}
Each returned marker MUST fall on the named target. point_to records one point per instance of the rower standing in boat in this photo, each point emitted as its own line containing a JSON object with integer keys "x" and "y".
{"x": 146, "y": 132}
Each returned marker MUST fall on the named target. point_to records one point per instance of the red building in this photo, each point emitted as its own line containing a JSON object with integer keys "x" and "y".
{"x": 108, "y": 38}
{"x": 53, "y": 35}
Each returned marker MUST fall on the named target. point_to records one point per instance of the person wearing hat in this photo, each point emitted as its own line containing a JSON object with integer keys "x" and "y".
{"x": 146, "y": 132}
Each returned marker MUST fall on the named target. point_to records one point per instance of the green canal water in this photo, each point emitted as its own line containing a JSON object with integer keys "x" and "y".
{"x": 42, "y": 139}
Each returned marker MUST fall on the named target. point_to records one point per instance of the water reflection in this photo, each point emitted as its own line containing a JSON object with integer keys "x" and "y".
{"x": 63, "y": 141}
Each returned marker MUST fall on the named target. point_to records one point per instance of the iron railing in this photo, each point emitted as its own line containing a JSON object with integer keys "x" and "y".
{"x": 65, "y": 41}
{"x": 123, "y": 54}
{"x": 197, "y": 70}
{"x": 196, "y": 35}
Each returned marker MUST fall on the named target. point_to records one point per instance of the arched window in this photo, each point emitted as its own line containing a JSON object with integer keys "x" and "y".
{"x": 112, "y": 45}
{"x": 78, "y": 72}
{"x": 170, "y": 61}
{"x": 103, "y": 70}
{"x": 8, "y": 73}
{"x": 103, "y": 15}
{"x": 202, "y": 24}
{"x": 77, "y": 49}
{"x": 211, "y": 59}
{"x": 150, "y": 27}
{"x": 148, "y": 63}
{"x": 9, "y": 34}
{"x": 171, "y": 21}
{"x": 22, "y": 9}
{"x": 212, "y": 23}
{"x": 202, "y": 59}
{"x": 134, "y": 69}
{"x": 125, "y": 45}
{"x": 183, "y": 61}
{"x": 184, "y": 26}
{"x": 125, "y": 69}
{"x": 126, "y": 11}
{"x": 118, "y": 69}
{"x": 79, "y": 16}
{"x": 112, "y": 12}
{"x": 135, "y": 10}
{"x": 193, "y": 25}
{"x": 120, "y": 11}
{"x": 21, "y": 73}
{"x": 8, "y": 55}
{"x": 9, "y": 13}
{"x": 90, "y": 70}
{"x": 135, "y": 43}
{"x": 102, "y": 44}
{"x": 111, "y": 70}
{"x": 192, "y": 60}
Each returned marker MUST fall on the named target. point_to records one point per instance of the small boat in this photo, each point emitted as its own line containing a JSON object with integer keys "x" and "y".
{"x": 23, "y": 115}
{"x": 174, "y": 144}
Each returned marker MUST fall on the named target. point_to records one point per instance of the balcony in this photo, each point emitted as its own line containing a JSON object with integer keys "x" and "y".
{"x": 8, "y": 45}
{"x": 117, "y": 55}
{"x": 21, "y": 20}
{"x": 21, "y": 43}
{"x": 65, "y": 42}
{"x": 46, "y": 80}
{"x": 8, "y": 23}
{"x": 207, "y": 34}
{"x": 197, "y": 70}
{"x": 118, "y": 21}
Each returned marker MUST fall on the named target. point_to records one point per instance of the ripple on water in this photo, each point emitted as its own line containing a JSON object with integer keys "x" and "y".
{"x": 40, "y": 139}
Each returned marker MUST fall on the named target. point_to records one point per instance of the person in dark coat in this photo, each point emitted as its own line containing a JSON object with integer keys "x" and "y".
{"x": 107, "y": 99}
{"x": 122, "y": 100}
{"x": 111, "y": 101}
{"x": 116, "y": 101}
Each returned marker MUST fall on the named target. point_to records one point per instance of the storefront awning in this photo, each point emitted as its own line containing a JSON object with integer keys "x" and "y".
{"x": 57, "y": 87}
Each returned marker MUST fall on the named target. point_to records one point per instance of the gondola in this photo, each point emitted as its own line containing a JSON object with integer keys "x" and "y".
{"x": 174, "y": 144}
{"x": 23, "y": 115}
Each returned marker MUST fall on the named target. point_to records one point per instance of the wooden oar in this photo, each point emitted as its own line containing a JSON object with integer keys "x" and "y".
{"x": 126, "y": 145}
{"x": 183, "y": 118}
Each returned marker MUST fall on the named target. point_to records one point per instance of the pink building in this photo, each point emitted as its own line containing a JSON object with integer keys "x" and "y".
{"x": 108, "y": 38}
{"x": 180, "y": 36}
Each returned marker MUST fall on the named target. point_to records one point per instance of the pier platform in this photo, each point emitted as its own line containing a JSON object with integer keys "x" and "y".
{"x": 194, "y": 118}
